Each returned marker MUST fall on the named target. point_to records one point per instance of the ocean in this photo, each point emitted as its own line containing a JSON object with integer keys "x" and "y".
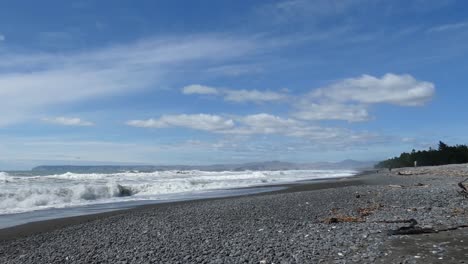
{"x": 27, "y": 197}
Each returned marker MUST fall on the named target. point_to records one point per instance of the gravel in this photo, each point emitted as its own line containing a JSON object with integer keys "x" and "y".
{"x": 282, "y": 227}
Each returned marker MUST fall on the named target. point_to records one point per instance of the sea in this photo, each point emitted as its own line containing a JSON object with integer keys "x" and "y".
{"x": 30, "y": 196}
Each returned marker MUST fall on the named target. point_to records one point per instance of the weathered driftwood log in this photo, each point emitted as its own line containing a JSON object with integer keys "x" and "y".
{"x": 409, "y": 221}
{"x": 406, "y": 173}
{"x": 419, "y": 230}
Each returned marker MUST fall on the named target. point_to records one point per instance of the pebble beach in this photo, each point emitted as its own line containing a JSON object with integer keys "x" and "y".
{"x": 346, "y": 220}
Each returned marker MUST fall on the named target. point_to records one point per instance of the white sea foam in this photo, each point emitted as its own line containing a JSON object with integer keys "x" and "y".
{"x": 30, "y": 193}
{"x": 3, "y": 177}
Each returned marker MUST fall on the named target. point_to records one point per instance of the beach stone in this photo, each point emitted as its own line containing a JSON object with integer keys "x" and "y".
{"x": 227, "y": 230}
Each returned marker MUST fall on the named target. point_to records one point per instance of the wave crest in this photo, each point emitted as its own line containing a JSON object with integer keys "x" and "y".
{"x": 36, "y": 197}
{"x": 29, "y": 193}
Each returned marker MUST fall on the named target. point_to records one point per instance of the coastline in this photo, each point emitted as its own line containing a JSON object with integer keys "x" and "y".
{"x": 290, "y": 226}
{"x": 36, "y": 227}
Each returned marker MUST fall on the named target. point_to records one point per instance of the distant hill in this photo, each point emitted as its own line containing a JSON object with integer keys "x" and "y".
{"x": 254, "y": 166}
{"x": 345, "y": 164}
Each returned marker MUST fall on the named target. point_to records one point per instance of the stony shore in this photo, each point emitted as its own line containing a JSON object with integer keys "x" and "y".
{"x": 342, "y": 222}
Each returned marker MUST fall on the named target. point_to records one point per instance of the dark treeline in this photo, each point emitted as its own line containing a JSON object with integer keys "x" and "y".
{"x": 445, "y": 154}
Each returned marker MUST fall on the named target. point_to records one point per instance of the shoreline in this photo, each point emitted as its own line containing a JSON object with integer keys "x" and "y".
{"x": 293, "y": 225}
{"x": 37, "y": 227}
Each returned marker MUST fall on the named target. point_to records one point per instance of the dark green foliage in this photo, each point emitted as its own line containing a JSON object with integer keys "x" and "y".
{"x": 445, "y": 154}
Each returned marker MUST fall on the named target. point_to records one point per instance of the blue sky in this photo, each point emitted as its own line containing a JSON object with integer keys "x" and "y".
{"x": 199, "y": 82}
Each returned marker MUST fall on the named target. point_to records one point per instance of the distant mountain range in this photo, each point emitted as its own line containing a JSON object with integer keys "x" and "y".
{"x": 253, "y": 166}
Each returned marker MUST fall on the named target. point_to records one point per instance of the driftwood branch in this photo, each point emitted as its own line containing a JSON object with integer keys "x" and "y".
{"x": 414, "y": 229}
{"x": 463, "y": 191}
{"x": 409, "y": 221}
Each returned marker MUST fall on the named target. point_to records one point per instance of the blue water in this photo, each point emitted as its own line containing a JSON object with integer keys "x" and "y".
{"x": 27, "y": 197}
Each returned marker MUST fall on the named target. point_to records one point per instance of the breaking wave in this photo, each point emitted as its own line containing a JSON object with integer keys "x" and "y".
{"x": 30, "y": 193}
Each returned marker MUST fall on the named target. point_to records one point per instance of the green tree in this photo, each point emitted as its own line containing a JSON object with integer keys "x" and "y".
{"x": 444, "y": 154}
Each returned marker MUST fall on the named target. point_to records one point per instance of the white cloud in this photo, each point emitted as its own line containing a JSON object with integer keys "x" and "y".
{"x": 2, "y": 37}
{"x": 447, "y": 27}
{"x": 293, "y": 10}
{"x": 195, "y": 121}
{"x": 332, "y": 111}
{"x": 32, "y": 82}
{"x": 199, "y": 89}
{"x": 238, "y": 96}
{"x": 253, "y": 96}
{"x": 402, "y": 90}
{"x": 267, "y": 124}
{"x": 67, "y": 121}
{"x": 349, "y": 99}
{"x": 263, "y": 124}
{"x": 236, "y": 69}
{"x": 256, "y": 124}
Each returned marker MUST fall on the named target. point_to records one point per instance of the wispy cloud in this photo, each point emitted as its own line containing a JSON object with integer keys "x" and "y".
{"x": 253, "y": 96}
{"x": 70, "y": 149}
{"x": 2, "y": 37}
{"x": 255, "y": 125}
{"x": 204, "y": 122}
{"x": 199, "y": 89}
{"x": 349, "y": 26}
{"x": 238, "y": 96}
{"x": 331, "y": 111}
{"x": 67, "y": 121}
{"x": 448, "y": 27}
{"x": 228, "y": 148}
{"x": 346, "y": 100}
{"x": 340, "y": 7}
{"x": 267, "y": 124}
{"x": 291, "y": 10}
{"x": 29, "y": 80}
{"x": 234, "y": 70}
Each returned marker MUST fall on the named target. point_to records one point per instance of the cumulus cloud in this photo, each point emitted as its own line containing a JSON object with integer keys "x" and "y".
{"x": 261, "y": 124}
{"x": 305, "y": 132}
{"x": 27, "y": 81}
{"x": 346, "y": 100}
{"x": 199, "y": 89}
{"x": 245, "y": 125}
{"x": 67, "y": 121}
{"x": 402, "y": 90}
{"x": 237, "y": 96}
{"x": 194, "y": 121}
{"x": 350, "y": 98}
